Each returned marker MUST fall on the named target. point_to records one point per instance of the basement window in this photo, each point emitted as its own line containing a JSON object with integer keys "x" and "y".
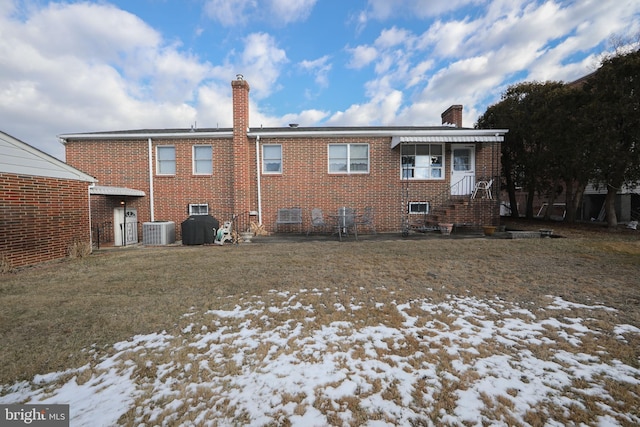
{"x": 418, "y": 208}
{"x": 198, "y": 209}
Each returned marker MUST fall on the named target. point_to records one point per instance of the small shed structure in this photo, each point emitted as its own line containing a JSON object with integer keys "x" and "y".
{"x": 44, "y": 205}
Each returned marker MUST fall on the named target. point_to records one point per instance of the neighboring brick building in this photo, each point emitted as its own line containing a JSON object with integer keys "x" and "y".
{"x": 44, "y": 205}
{"x": 181, "y": 171}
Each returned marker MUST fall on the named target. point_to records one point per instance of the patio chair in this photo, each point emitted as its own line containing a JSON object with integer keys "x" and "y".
{"x": 317, "y": 221}
{"x": 224, "y": 234}
{"x": 346, "y": 221}
{"x": 366, "y": 220}
{"x": 484, "y": 186}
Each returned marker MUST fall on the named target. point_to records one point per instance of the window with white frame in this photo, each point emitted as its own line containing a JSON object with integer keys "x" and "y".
{"x": 198, "y": 209}
{"x": 422, "y": 161}
{"x": 202, "y": 160}
{"x": 165, "y": 160}
{"x": 348, "y": 158}
{"x": 272, "y": 158}
{"x": 418, "y": 208}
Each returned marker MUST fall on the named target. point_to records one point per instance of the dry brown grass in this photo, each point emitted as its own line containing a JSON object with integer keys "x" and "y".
{"x": 62, "y": 315}
{"x": 5, "y": 264}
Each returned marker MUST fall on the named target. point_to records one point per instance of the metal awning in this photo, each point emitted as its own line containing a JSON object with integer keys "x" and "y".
{"x": 462, "y": 139}
{"x": 115, "y": 191}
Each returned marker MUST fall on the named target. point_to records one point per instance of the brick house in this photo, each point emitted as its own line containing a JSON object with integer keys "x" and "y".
{"x": 44, "y": 205}
{"x": 410, "y": 176}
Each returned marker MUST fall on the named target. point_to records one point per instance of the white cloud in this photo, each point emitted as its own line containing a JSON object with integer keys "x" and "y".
{"x": 304, "y": 118}
{"x": 393, "y": 37}
{"x": 288, "y": 11}
{"x": 229, "y": 12}
{"x": 471, "y": 58}
{"x": 277, "y": 13}
{"x": 261, "y": 63}
{"x": 361, "y": 56}
{"x": 381, "y": 109}
{"x": 384, "y": 9}
{"x": 320, "y": 67}
{"x": 66, "y": 70}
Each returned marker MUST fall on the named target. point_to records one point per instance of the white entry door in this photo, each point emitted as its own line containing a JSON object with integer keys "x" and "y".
{"x": 122, "y": 233}
{"x": 463, "y": 170}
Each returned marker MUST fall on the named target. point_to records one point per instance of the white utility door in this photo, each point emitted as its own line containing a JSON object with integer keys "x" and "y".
{"x": 128, "y": 234}
{"x": 463, "y": 172}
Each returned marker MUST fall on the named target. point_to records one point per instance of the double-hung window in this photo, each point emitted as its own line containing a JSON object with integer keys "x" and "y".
{"x": 422, "y": 161}
{"x": 202, "y": 160}
{"x": 272, "y": 159}
{"x": 166, "y": 160}
{"x": 349, "y": 158}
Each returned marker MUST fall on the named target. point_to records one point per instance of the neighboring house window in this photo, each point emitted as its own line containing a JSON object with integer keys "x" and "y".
{"x": 272, "y": 158}
{"x": 199, "y": 209}
{"x": 348, "y": 158}
{"x": 422, "y": 161}
{"x": 418, "y": 208}
{"x": 166, "y": 160}
{"x": 202, "y": 160}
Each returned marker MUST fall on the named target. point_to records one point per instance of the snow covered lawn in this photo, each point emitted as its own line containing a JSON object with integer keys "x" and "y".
{"x": 319, "y": 357}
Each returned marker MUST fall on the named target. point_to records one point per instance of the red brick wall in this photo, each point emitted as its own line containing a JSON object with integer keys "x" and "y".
{"x": 41, "y": 217}
{"x": 125, "y": 163}
{"x": 304, "y": 182}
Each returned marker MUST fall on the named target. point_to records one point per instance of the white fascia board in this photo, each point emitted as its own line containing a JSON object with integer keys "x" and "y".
{"x": 496, "y": 135}
{"x": 142, "y": 136}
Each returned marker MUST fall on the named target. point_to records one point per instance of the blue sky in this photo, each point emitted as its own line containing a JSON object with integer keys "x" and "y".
{"x": 73, "y": 66}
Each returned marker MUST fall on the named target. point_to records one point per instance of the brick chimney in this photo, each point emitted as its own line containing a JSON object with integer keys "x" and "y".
{"x": 241, "y": 146}
{"x": 453, "y": 115}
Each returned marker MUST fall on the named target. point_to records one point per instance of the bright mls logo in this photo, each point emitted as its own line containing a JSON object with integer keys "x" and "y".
{"x": 34, "y": 415}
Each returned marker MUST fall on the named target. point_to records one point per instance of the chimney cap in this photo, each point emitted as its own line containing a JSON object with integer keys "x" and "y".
{"x": 239, "y": 77}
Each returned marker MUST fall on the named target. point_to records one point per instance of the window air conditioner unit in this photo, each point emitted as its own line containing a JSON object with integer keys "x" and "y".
{"x": 158, "y": 233}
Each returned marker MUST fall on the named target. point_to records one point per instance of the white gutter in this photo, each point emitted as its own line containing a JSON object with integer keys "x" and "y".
{"x": 151, "y": 194}
{"x": 300, "y": 132}
{"x": 90, "y": 224}
{"x": 258, "y": 176}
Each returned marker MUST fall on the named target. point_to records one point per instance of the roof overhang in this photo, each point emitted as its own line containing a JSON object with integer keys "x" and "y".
{"x": 397, "y": 135}
{"x": 114, "y": 191}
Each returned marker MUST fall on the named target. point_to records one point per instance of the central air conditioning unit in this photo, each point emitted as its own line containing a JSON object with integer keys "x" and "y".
{"x": 158, "y": 233}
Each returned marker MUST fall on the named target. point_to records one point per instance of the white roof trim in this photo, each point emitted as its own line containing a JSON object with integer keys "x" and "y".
{"x": 18, "y": 157}
{"x": 115, "y": 191}
{"x": 143, "y": 135}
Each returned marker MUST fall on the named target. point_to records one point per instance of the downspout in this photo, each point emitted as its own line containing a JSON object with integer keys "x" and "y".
{"x": 151, "y": 194}
{"x": 93, "y": 184}
{"x": 258, "y": 179}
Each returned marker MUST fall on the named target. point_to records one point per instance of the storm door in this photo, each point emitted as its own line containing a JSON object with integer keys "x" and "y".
{"x": 462, "y": 169}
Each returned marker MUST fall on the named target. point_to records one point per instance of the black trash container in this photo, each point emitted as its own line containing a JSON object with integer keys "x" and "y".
{"x": 199, "y": 229}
